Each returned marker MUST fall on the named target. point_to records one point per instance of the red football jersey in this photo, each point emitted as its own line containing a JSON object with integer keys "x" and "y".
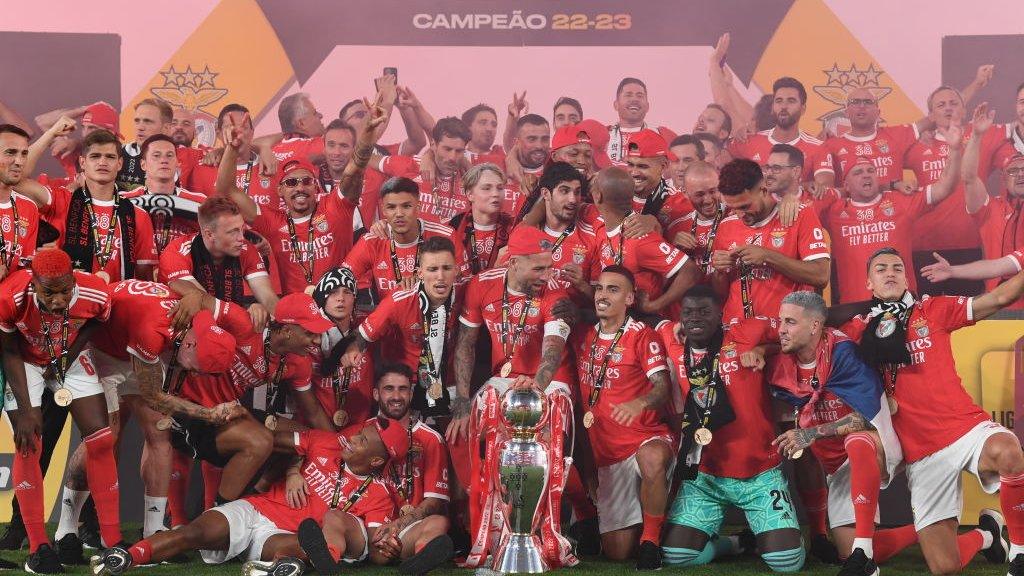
{"x": 370, "y": 259}
{"x": 858, "y": 229}
{"x": 19, "y": 312}
{"x": 359, "y": 398}
{"x": 1000, "y": 225}
{"x": 168, "y": 228}
{"x": 758, "y": 147}
{"x": 704, "y": 231}
{"x": 675, "y": 206}
{"x": 18, "y": 234}
{"x": 124, "y": 335}
{"x": 401, "y": 315}
{"x": 312, "y": 149}
{"x": 483, "y": 308}
{"x": 248, "y": 179}
{"x": 176, "y": 261}
{"x": 934, "y": 409}
{"x": 652, "y": 261}
{"x": 488, "y": 240}
{"x": 331, "y": 237}
{"x": 831, "y": 450}
{"x": 636, "y": 357}
{"x": 581, "y": 247}
{"x": 947, "y": 226}
{"x": 440, "y": 199}
{"x": 425, "y": 468}
{"x": 804, "y": 240}
{"x": 886, "y": 148}
{"x": 321, "y": 469}
{"x": 142, "y": 252}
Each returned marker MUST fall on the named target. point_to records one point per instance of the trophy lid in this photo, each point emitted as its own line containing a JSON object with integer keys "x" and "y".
{"x": 523, "y": 410}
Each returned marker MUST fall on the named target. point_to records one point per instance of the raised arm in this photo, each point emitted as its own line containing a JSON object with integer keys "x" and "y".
{"x": 516, "y": 109}
{"x": 48, "y": 119}
{"x": 722, "y": 90}
{"x": 974, "y": 188}
{"x": 351, "y": 186}
{"x": 950, "y": 176}
{"x": 29, "y": 187}
{"x": 418, "y": 122}
{"x": 942, "y": 270}
{"x": 981, "y": 79}
{"x": 9, "y": 116}
{"x": 226, "y": 186}
{"x": 1002, "y": 296}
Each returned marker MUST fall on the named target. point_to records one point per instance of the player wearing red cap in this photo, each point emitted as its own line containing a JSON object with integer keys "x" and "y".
{"x": 695, "y": 232}
{"x": 103, "y": 232}
{"x": 574, "y": 145}
{"x": 482, "y": 231}
{"x": 61, "y": 141}
{"x": 47, "y": 315}
{"x": 755, "y": 258}
{"x": 389, "y": 262}
{"x": 789, "y": 104}
{"x": 663, "y": 272}
{"x": 160, "y": 162}
{"x": 941, "y": 430}
{"x": 19, "y": 217}
{"x": 647, "y": 157}
{"x": 624, "y": 382}
{"x": 416, "y": 327}
{"x": 219, "y": 261}
{"x": 341, "y": 473}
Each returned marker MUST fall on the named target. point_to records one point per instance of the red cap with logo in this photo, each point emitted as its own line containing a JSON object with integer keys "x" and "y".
{"x": 301, "y": 309}
{"x": 103, "y": 116}
{"x": 215, "y": 349}
{"x": 526, "y": 240}
{"x": 394, "y": 435}
{"x": 293, "y": 165}
{"x": 648, "y": 144}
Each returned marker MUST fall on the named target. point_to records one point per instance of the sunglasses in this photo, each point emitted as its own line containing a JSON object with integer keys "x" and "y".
{"x": 293, "y": 182}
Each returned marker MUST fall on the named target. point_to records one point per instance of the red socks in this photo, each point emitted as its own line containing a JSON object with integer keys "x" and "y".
{"x": 1011, "y": 500}
{"x": 652, "y": 528}
{"x": 28, "y": 488}
{"x": 969, "y": 543}
{"x": 815, "y": 503}
{"x": 142, "y": 552}
{"x": 101, "y": 473}
{"x": 177, "y": 490}
{"x": 211, "y": 483}
{"x": 864, "y": 482}
{"x": 576, "y": 494}
{"x": 888, "y": 543}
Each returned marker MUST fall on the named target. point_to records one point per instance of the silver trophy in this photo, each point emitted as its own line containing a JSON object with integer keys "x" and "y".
{"x": 524, "y": 480}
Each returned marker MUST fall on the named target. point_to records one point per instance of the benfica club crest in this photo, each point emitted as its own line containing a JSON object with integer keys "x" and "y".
{"x": 729, "y": 350}
{"x": 883, "y": 146}
{"x": 887, "y": 208}
{"x": 617, "y": 354}
{"x": 920, "y": 327}
{"x": 579, "y": 254}
{"x": 778, "y": 238}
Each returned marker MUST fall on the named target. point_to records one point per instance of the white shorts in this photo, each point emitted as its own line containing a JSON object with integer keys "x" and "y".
{"x": 618, "y": 492}
{"x": 116, "y": 376}
{"x": 80, "y": 379}
{"x": 936, "y": 486}
{"x": 840, "y": 501}
{"x": 248, "y": 532}
{"x": 366, "y": 543}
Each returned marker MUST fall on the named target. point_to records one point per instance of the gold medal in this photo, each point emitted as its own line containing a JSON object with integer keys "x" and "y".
{"x": 796, "y": 455}
{"x": 588, "y": 420}
{"x": 436, "y": 390}
{"x": 702, "y": 436}
{"x": 163, "y": 424}
{"x": 340, "y": 418}
{"x": 270, "y": 422}
{"x": 102, "y": 275}
{"x": 309, "y": 289}
{"x": 506, "y": 369}
{"x": 893, "y": 405}
{"x": 406, "y": 510}
{"x": 63, "y": 397}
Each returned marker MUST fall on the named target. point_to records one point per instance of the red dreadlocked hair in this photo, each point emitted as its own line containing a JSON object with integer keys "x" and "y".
{"x": 51, "y": 263}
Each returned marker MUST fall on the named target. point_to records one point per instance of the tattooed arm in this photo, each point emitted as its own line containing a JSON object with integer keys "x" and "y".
{"x": 150, "y": 379}
{"x": 626, "y": 412}
{"x": 465, "y": 357}
{"x": 800, "y": 438}
{"x": 550, "y": 358}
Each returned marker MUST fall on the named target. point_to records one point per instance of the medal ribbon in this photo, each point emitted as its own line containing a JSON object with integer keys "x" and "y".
{"x": 748, "y": 305}
{"x": 103, "y": 251}
{"x": 351, "y": 500}
{"x": 60, "y": 364}
{"x": 340, "y": 386}
{"x": 395, "y": 268}
{"x": 474, "y": 256}
{"x": 404, "y": 482}
{"x": 709, "y": 381}
{"x": 706, "y": 257}
{"x": 173, "y": 386}
{"x": 272, "y": 385}
{"x": 505, "y": 312}
{"x": 300, "y": 255}
{"x": 598, "y": 382}
{"x": 9, "y": 250}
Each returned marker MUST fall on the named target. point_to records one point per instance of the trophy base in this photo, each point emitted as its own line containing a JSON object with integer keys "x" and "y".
{"x": 520, "y": 555}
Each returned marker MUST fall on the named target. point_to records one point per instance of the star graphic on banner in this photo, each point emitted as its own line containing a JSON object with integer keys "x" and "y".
{"x": 206, "y": 77}
{"x": 190, "y": 76}
{"x": 872, "y": 75}
{"x": 170, "y": 76}
{"x": 833, "y": 75}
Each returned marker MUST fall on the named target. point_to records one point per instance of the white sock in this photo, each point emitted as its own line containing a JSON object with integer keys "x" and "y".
{"x": 864, "y": 544}
{"x": 153, "y": 518}
{"x": 986, "y": 539}
{"x": 1015, "y": 549}
{"x": 70, "y": 509}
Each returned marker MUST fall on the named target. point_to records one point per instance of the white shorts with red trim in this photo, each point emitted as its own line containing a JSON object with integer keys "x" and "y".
{"x": 248, "y": 531}
{"x": 618, "y": 491}
{"x": 935, "y": 481}
{"x": 80, "y": 379}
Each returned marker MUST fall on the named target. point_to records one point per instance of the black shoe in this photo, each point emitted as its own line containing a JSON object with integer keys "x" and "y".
{"x": 858, "y": 564}
{"x": 311, "y": 540}
{"x": 587, "y": 537}
{"x": 824, "y": 550}
{"x": 992, "y": 522}
{"x": 14, "y": 537}
{"x": 90, "y": 537}
{"x": 748, "y": 542}
{"x": 8, "y": 565}
{"x": 283, "y": 566}
{"x": 69, "y": 550}
{"x": 111, "y": 561}
{"x": 43, "y": 561}
{"x": 435, "y": 553}
{"x": 1016, "y": 566}
{"x": 649, "y": 556}
{"x": 460, "y": 540}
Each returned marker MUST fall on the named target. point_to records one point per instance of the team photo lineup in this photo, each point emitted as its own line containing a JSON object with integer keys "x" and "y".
{"x": 522, "y": 337}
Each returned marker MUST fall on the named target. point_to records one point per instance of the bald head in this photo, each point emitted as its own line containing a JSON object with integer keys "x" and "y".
{"x": 613, "y": 189}
{"x": 701, "y": 169}
{"x": 862, "y": 110}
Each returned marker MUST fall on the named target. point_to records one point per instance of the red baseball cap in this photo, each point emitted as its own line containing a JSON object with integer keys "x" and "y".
{"x": 667, "y": 134}
{"x": 648, "y": 144}
{"x": 301, "y": 309}
{"x": 526, "y": 240}
{"x": 589, "y": 131}
{"x": 293, "y": 165}
{"x": 394, "y": 435}
{"x": 104, "y": 116}
{"x": 598, "y": 132}
{"x": 215, "y": 349}
{"x": 1016, "y": 158}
